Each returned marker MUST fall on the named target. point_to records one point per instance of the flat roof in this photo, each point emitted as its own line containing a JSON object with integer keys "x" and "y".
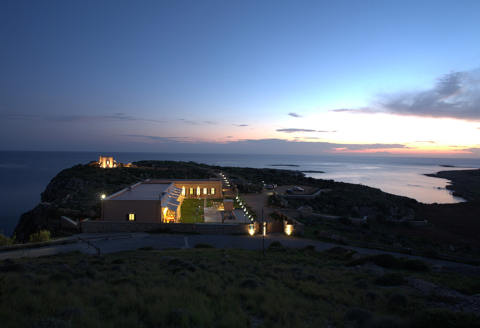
{"x": 142, "y": 191}
{"x": 154, "y": 181}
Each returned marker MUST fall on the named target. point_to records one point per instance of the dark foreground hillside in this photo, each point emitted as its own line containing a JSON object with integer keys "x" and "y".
{"x": 234, "y": 288}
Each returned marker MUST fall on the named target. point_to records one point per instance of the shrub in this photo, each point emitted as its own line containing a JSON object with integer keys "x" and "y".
{"x": 39, "y": 236}
{"x": 415, "y": 265}
{"x": 444, "y": 318}
{"x": 276, "y": 245}
{"x": 340, "y": 253}
{"x": 345, "y": 220}
{"x": 390, "y": 279}
{"x": 391, "y": 262}
{"x": 146, "y": 248}
{"x": 383, "y": 260}
{"x": 4, "y": 240}
{"x": 359, "y": 316}
{"x": 203, "y": 245}
{"x": 397, "y": 301}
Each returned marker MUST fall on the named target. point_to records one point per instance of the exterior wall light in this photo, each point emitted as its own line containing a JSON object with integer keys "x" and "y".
{"x": 288, "y": 229}
{"x": 251, "y": 229}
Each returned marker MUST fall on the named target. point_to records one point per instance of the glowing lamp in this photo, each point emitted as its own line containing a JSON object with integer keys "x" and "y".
{"x": 264, "y": 230}
{"x": 288, "y": 229}
{"x": 102, "y": 196}
{"x": 251, "y": 229}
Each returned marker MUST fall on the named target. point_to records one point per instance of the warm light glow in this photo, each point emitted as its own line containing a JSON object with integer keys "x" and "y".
{"x": 183, "y": 191}
{"x": 131, "y": 217}
{"x": 288, "y": 229}
{"x": 102, "y": 196}
{"x": 251, "y": 229}
{"x": 168, "y": 215}
{"x": 264, "y": 230}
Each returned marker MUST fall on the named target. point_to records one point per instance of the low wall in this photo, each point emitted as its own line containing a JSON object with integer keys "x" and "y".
{"x": 202, "y": 228}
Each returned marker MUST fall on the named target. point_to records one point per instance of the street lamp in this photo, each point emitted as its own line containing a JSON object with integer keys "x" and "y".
{"x": 102, "y": 197}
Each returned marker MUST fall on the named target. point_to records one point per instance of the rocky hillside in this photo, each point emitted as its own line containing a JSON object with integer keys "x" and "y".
{"x": 75, "y": 192}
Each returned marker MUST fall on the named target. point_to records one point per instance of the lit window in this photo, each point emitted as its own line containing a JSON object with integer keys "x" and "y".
{"x": 183, "y": 191}
{"x": 204, "y": 191}
{"x": 198, "y": 191}
{"x": 191, "y": 191}
{"x": 131, "y": 217}
{"x": 212, "y": 191}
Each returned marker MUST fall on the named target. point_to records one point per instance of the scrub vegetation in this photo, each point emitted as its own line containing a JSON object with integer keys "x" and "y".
{"x": 207, "y": 287}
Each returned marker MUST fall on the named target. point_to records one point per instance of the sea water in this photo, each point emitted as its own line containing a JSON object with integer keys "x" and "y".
{"x": 24, "y": 175}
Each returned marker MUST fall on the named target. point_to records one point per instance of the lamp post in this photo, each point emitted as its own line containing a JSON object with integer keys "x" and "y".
{"x": 263, "y": 233}
{"x": 102, "y": 197}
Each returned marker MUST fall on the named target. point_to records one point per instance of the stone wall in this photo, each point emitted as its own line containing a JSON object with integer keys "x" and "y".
{"x": 202, "y": 228}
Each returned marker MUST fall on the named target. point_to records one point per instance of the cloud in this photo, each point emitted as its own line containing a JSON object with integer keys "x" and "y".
{"x": 78, "y": 118}
{"x": 188, "y": 121}
{"x": 158, "y": 138}
{"x": 355, "y": 147}
{"x": 210, "y": 122}
{"x": 293, "y": 130}
{"x": 426, "y": 141}
{"x": 240, "y": 125}
{"x": 257, "y": 146}
{"x": 454, "y": 95}
{"x": 474, "y": 151}
{"x": 292, "y": 114}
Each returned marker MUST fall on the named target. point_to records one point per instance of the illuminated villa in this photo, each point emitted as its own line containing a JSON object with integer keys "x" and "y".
{"x": 107, "y": 162}
{"x": 157, "y": 200}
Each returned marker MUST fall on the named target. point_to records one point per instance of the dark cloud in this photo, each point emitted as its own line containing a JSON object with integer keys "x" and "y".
{"x": 188, "y": 121}
{"x": 455, "y": 95}
{"x": 256, "y": 146}
{"x": 158, "y": 138}
{"x": 240, "y": 125}
{"x": 78, "y": 118}
{"x": 292, "y": 114}
{"x": 293, "y": 130}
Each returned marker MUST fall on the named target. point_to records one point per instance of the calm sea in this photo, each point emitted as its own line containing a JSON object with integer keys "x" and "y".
{"x": 24, "y": 175}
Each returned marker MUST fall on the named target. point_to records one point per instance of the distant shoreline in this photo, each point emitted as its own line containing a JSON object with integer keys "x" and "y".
{"x": 463, "y": 183}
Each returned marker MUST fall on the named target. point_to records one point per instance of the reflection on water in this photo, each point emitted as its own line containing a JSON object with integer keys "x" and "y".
{"x": 400, "y": 180}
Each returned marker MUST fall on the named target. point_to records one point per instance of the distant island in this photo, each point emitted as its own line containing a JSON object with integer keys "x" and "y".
{"x": 288, "y": 165}
{"x": 312, "y": 171}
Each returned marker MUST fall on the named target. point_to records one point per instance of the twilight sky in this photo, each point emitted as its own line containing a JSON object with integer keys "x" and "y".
{"x": 284, "y": 77}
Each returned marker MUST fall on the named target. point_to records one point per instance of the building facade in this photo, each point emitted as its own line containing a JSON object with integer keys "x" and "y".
{"x": 157, "y": 200}
{"x": 197, "y": 188}
{"x": 107, "y": 162}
